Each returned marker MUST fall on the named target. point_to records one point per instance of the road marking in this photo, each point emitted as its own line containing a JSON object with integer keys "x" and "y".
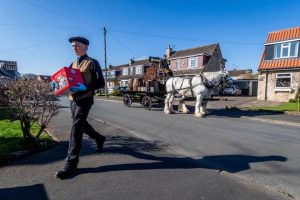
{"x": 109, "y": 100}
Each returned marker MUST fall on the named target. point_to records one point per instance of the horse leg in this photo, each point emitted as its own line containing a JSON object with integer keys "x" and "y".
{"x": 184, "y": 108}
{"x": 171, "y": 104}
{"x": 167, "y": 103}
{"x": 204, "y": 105}
{"x": 198, "y": 106}
{"x": 180, "y": 106}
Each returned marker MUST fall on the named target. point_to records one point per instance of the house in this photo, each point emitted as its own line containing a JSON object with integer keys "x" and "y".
{"x": 113, "y": 73}
{"x": 192, "y": 61}
{"x": 246, "y": 80}
{"x": 187, "y": 62}
{"x": 8, "y": 70}
{"x": 126, "y": 74}
{"x": 279, "y": 67}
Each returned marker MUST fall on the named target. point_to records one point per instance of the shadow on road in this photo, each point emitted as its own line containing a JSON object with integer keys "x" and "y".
{"x": 226, "y": 112}
{"x": 231, "y": 112}
{"x": 25, "y": 192}
{"x": 238, "y": 113}
{"x": 144, "y": 150}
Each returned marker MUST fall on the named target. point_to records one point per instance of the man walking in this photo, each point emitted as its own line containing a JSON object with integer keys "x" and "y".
{"x": 81, "y": 100}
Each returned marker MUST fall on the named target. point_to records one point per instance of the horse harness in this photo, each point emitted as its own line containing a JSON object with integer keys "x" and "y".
{"x": 205, "y": 82}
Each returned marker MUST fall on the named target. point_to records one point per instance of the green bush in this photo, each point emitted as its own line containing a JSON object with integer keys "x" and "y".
{"x": 293, "y": 100}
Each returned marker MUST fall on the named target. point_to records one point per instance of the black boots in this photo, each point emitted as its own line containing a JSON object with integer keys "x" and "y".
{"x": 66, "y": 172}
{"x": 100, "y": 144}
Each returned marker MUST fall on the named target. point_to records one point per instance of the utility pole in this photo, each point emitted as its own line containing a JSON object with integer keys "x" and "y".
{"x": 105, "y": 63}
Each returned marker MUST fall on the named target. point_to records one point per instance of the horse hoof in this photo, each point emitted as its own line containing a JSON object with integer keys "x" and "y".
{"x": 167, "y": 112}
{"x": 199, "y": 115}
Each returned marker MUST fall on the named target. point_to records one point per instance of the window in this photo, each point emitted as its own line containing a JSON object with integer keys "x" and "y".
{"x": 131, "y": 70}
{"x": 286, "y": 50}
{"x": 192, "y": 62}
{"x": 125, "y": 71}
{"x": 124, "y": 83}
{"x": 178, "y": 64}
{"x": 138, "y": 70}
{"x": 111, "y": 74}
{"x": 283, "y": 80}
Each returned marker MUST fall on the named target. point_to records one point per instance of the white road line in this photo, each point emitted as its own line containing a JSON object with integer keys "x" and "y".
{"x": 109, "y": 100}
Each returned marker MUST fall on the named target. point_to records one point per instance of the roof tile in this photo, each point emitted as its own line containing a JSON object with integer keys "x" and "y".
{"x": 283, "y": 35}
{"x": 277, "y": 36}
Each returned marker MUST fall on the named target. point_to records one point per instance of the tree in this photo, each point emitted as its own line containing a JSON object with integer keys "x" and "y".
{"x": 32, "y": 102}
{"x": 3, "y": 96}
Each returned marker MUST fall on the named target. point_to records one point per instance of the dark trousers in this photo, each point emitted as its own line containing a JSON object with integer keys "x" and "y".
{"x": 80, "y": 111}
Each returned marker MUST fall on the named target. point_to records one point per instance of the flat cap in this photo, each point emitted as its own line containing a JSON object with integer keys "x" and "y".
{"x": 80, "y": 39}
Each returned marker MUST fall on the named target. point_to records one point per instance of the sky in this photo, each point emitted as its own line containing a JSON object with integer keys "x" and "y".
{"x": 35, "y": 33}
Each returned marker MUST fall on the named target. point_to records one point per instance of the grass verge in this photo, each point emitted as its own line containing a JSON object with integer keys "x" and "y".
{"x": 12, "y": 140}
{"x": 288, "y": 106}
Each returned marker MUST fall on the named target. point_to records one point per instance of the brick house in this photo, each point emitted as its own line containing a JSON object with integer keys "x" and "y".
{"x": 124, "y": 75}
{"x": 190, "y": 62}
{"x": 279, "y": 67}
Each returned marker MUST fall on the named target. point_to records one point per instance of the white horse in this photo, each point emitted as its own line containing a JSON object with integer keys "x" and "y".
{"x": 200, "y": 86}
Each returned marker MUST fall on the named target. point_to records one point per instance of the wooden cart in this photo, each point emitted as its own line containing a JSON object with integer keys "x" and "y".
{"x": 145, "y": 98}
{"x": 154, "y": 91}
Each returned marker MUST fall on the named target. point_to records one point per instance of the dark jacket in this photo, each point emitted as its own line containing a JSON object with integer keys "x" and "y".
{"x": 92, "y": 77}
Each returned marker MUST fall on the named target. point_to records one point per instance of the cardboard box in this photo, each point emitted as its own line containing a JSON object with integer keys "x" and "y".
{"x": 65, "y": 78}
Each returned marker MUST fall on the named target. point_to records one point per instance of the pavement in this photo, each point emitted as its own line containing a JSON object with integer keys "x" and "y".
{"x": 129, "y": 168}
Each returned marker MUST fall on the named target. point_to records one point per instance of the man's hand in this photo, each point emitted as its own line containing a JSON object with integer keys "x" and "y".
{"x": 52, "y": 85}
{"x": 78, "y": 87}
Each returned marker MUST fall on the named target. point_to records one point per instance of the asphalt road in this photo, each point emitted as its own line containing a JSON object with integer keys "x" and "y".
{"x": 129, "y": 168}
{"x": 180, "y": 157}
{"x": 266, "y": 153}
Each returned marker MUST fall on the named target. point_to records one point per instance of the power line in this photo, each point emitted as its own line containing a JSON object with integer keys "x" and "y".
{"x": 34, "y": 46}
{"x": 37, "y": 45}
{"x": 125, "y": 46}
{"x": 55, "y": 12}
{"x": 180, "y": 38}
{"x": 44, "y": 26}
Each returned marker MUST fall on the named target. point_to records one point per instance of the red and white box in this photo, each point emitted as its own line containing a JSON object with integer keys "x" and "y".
{"x": 65, "y": 78}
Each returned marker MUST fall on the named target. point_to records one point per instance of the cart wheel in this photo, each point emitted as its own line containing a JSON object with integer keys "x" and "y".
{"x": 127, "y": 100}
{"x": 147, "y": 103}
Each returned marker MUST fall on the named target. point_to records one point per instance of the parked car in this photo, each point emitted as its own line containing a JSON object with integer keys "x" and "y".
{"x": 232, "y": 90}
{"x": 117, "y": 88}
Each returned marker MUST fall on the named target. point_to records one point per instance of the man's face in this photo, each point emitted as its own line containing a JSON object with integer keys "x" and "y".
{"x": 79, "y": 48}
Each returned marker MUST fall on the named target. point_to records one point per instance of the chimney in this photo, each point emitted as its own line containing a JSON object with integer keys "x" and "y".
{"x": 168, "y": 51}
{"x": 131, "y": 61}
